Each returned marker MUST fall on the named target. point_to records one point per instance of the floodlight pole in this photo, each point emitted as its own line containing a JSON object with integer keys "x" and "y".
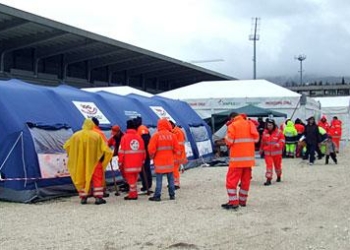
{"x": 301, "y": 58}
{"x": 254, "y": 37}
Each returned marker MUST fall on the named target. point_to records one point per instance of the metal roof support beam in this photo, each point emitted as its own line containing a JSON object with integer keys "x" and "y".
{"x": 167, "y": 74}
{"x": 126, "y": 78}
{"x": 82, "y": 59}
{"x": 193, "y": 76}
{"x": 143, "y": 82}
{"x": 118, "y": 61}
{"x": 9, "y": 25}
{"x": 152, "y": 68}
{"x": 26, "y": 44}
{"x": 59, "y": 52}
{"x": 96, "y": 54}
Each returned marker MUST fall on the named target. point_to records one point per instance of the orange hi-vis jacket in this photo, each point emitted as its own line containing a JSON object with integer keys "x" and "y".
{"x": 132, "y": 153}
{"x": 272, "y": 143}
{"x": 163, "y": 147}
{"x": 142, "y": 129}
{"x": 240, "y": 139}
{"x": 181, "y": 138}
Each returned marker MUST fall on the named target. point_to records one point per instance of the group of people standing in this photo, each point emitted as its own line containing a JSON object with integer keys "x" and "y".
{"x": 273, "y": 142}
{"x": 89, "y": 153}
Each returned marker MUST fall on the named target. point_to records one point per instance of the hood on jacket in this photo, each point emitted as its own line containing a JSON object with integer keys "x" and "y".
{"x": 88, "y": 124}
{"x": 290, "y": 124}
{"x": 163, "y": 124}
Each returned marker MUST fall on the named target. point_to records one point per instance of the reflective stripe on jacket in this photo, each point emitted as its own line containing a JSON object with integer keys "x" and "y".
{"x": 163, "y": 147}
{"x": 181, "y": 138}
{"x": 240, "y": 139}
{"x": 132, "y": 153}
{"x": 272, "y": 143}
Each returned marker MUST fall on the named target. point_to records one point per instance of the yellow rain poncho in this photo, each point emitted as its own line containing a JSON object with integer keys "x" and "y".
{"x": 85, "y": 148}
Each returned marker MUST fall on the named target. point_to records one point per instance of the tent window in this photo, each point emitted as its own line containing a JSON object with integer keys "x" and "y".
{"x": 48, "y": 143}
{"x": 199, "y": 133}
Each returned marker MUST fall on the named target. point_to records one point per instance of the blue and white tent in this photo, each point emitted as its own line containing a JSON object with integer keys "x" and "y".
{"x": 36, "y": 121}
{"x": 199, "y": 133}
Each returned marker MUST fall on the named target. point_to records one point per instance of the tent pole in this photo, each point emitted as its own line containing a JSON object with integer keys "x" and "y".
{"x": 295, "y": 108}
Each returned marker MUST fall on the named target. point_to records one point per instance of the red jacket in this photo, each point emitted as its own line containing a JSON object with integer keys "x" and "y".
{"x": 132, "y": 153}
{"x": 272, "y": 143}
{"x": 300, "y": 128}
{"x": 336, "y": 128}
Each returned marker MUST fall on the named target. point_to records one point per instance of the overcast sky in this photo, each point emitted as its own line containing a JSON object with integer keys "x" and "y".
{"x": 191, "y": 30}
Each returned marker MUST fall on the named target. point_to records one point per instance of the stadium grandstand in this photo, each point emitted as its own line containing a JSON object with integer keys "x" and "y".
{"x": 42, "y": 51}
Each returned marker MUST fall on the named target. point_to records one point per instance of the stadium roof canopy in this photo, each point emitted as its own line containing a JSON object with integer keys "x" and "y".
{"x": 39, "y": 50}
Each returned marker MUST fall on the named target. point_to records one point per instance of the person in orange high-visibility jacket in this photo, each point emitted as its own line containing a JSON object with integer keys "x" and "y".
{"x": 162, "y": 148}
{"x": 100, "y": 132}
{"x": 179, "y": 159}
{"x": 336, "y": 131}
{"x": 85, "y": 150}
{"x": 240, "y": 139}
{"x": 272, "y": 143}
{"x": 131, "y": 156}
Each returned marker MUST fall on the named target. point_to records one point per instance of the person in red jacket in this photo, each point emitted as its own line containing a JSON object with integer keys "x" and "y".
{"x": 323, "y": 123}
{"x": 131, "y": 156}
{"x": 272, "y": 144}
{"x": 336, "y": 131}
{"x": 240, "y": 139}
{"x": 162, "y": 148}
{"x": 300, "y": 127}
{"x": 179, "y": 159}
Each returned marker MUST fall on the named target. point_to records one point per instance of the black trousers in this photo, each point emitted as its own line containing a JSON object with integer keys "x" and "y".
{"x": 146, "y": 175}
{"x": 333, "y": 156}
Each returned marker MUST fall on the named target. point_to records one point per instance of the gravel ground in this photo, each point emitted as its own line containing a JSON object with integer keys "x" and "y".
{"x": 309, "y": 209}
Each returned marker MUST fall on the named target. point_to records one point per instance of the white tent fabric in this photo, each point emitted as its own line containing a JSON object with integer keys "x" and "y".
{"x": 337, "y": 106}
{"x": 210, "y": 97}
{"x": 119, "y": 90}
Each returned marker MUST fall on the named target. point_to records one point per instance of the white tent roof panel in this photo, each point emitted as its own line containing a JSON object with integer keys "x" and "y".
{"x": 119, "y": 90}
{"x": 230, "y": 89}
{"x": 334, "y": 101}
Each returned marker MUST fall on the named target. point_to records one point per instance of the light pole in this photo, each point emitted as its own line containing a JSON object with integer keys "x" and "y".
{"x": 301, "y": 58}
{"x": 254, "y": 37}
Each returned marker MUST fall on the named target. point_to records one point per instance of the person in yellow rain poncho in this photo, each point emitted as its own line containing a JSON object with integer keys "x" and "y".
{"x": 88, "y": 156}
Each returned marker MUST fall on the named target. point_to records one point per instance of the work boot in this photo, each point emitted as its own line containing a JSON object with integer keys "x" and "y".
{"x": 267, "y": 183}
{"x": 127, "y": 198}
{"x": 278, "y": 179}
{"x": 83, "y": 201}
{"x": 172, "y": 197}
{"x": 229, "y": 206}
{"x": 154, "y": 198}
{"x": 100, "y": 201}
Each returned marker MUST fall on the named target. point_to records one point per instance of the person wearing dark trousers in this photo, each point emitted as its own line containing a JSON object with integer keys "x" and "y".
{"x": 146, "y": 173}
{"x": 312, "y": 139}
